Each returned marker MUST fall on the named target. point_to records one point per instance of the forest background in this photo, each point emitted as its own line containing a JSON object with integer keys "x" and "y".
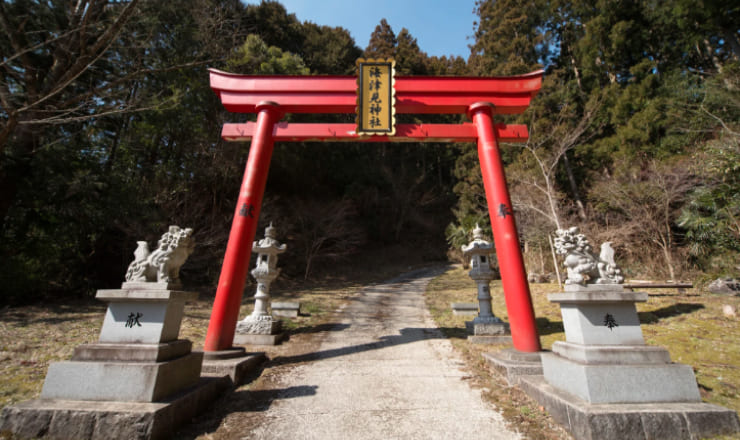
{"x": 109, "y": 133}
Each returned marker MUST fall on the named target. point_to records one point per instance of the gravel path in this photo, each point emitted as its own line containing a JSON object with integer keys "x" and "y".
{"x": 383, "y": 372}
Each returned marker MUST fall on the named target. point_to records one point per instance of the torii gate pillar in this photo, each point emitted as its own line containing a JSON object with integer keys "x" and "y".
{"x": 222, "y": 325}
{"x": 513, "y": 275}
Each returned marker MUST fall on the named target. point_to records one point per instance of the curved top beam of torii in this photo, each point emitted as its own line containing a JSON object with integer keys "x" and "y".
{"x": 338, "y": 94}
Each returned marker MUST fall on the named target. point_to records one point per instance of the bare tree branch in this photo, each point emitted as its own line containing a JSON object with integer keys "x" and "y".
{"x": 85, "y": 61}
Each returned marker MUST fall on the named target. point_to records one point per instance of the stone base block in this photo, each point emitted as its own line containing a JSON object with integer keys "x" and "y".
{"x": 286, "y": 309}
{"x": 263, "y": 325}
{"x": 121, "y": 381}
{"x": 612, "y": 354}
{"x": 239, "y": 369}
{"x": 150, "y": 285}
{"x": 623, "y": 383}
{"x": 512, "y": 364}
{"x": 611, "y": 288}
{"x": 643, "y": 421}
{"x": 464, "y": 309}
{"x": 482, "y": 339}
{"x": 257, "y": 339}
{"x": 143, "y": 316}
{"x": 229, "y": 353}
{"x": 133, "y": 352}
{"x": 85, "y": 420}
{"x": 487, "y": 327}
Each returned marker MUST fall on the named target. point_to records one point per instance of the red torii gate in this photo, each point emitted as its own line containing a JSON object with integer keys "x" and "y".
{"x": 272, "y": 96}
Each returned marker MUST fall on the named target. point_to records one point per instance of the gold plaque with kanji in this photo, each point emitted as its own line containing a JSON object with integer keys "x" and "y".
{"x": 376, "y": 97}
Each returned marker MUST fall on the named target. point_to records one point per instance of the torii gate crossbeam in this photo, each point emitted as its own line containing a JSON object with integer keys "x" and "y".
{"x": 272, "y": 96}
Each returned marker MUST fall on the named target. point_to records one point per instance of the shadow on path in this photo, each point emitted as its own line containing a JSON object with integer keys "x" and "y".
{"x": 328, "y": 327}
{"x": 407, "y": 336}
{"x": 243, "y": 401}
{"x": 260, "y": 400}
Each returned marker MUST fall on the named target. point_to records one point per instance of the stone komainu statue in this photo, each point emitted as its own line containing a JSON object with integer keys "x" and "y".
{"x": 162, "y": 265}
{"x": 584, "y": 267}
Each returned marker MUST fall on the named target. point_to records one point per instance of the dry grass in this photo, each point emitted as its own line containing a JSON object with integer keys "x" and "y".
{"x": 31, "y": 337}
{"x": 34, "y": 336}
{"x": 690, "y": 325}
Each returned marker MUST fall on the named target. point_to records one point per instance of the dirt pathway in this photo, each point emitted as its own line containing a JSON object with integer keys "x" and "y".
{"x": 383, "y": 371}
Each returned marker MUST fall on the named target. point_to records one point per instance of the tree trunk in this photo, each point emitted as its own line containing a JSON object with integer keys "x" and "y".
{"x": 574, "y": 187}
{"x": 669, "y": 263}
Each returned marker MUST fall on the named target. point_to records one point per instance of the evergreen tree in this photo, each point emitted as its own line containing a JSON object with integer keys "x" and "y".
{"x": 508, "y": 37}
{"x": 382, "y": 43}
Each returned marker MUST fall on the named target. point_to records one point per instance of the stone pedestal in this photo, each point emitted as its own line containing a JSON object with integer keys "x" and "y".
{"x": 286, "y": 309}
{"x": 258, "y": 330}
{"x": 603, "y": 382}
{"x": 487, "y": 326}
{"x": 138, "y": 358}
{"x": 604, "y": 358}
{"x": 139, "y": 368}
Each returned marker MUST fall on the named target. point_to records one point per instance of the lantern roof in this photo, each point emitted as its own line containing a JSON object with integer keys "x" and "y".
{"x": 478, "y": 246}
{"x": 269, "y": 245}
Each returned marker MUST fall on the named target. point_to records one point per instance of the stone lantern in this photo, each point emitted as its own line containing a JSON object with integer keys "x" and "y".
{"x": 260, "y": 328}
{"x": 478, "y": 253}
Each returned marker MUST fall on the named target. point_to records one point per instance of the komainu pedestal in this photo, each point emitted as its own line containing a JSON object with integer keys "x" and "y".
{"x": 603, "y": 382}
{"x": 604, "y": 358}
{"x": 139, "y": 381}
{"x": 138, "y": 357}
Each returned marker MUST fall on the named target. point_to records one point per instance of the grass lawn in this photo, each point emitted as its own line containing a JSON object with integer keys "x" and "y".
{"x": 690, "y": 325}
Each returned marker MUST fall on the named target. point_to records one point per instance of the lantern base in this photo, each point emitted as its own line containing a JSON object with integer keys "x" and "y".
{"x": 488, "y": 326}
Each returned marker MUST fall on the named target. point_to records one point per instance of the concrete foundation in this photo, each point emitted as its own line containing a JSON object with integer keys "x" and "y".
{"x": 513, "y": 364}
{"x": 643, "y": 421}
{"x": 237, "y": 364}
{"x": 103, "y": 420}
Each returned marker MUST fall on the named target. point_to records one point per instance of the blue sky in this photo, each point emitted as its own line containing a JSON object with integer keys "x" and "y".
{"x": 441, "y": 27}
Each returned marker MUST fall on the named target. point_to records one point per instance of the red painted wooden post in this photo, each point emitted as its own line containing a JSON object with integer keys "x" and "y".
{"x": 225, "y": 312}
{"x": 513, "y": 276}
